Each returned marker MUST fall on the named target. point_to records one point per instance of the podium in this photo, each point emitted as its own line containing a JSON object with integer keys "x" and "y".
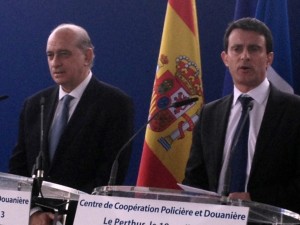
{"x": 62, "y": 200}
{"x": 258, "y": 213}
{"x": 51, "y": 192}
{"x": 15, "y": 182}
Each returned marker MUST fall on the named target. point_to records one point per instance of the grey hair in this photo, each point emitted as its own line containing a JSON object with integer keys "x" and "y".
{"x": 83, "y": 39}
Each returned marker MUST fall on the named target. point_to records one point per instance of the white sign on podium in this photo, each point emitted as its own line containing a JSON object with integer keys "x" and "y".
{"x": 14, "y": 207}
{"x": 110, "y": 210}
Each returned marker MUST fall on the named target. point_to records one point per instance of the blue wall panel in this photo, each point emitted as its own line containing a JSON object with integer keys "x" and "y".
{"x": 126, "y": 35}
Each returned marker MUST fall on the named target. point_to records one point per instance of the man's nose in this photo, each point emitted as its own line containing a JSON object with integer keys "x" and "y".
{"x": 55, "y": 62}
{"x": 245, "y": 54}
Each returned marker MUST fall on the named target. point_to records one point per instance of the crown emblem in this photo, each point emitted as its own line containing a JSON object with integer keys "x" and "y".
{"x": 187, "y": 74}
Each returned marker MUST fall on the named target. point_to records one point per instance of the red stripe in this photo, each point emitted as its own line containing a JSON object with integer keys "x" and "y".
{"x": 184, "y": 8}
{"x": 153, "y": 173}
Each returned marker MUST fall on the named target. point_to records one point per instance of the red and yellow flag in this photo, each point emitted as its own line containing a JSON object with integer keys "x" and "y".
{"x": 178, "y": 77}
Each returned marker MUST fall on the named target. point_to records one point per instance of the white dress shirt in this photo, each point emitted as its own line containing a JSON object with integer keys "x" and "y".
{"x": 260, "y": 96}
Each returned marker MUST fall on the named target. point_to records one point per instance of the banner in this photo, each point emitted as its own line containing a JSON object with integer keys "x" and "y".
{"x": 111, "y": 210}
{"x": 178, "y": 77}
{"x": 14, "y": 207}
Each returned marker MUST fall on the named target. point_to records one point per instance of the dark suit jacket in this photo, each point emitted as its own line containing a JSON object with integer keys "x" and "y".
{"x": 101, "y": 123}
{"x": 275, "y": 173}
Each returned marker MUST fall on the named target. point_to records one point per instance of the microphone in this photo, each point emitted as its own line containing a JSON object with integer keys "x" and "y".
{"x": 184, "y": 102}
{"x": 114, "y": 169}
{"x": 2, "y": 97}
{"x": 227, "y": 179}
{"x": 38, "y": 172}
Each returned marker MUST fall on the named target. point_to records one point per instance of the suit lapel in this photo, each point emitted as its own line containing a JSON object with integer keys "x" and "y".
{"x": 78, "y": 118}
{"x": 223, "y": 117}
{"x": 274, "y": 109}
{"x": 83, "y": 108}
{"x": 215, "y": 120}
{"x": 50, "y": 106}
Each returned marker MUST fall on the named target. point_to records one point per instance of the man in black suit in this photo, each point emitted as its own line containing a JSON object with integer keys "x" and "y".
{"x": 100, "y": 120}
{"x": 273, "y": 155}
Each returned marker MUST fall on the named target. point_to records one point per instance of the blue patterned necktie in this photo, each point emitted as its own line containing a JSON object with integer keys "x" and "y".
{"x": 59, "y": 124}
{"x": 238, "y": 163}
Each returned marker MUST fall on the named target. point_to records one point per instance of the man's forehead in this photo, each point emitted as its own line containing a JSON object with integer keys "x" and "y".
{"x": 57, "y": 44}
{"x": 245, "y": 36}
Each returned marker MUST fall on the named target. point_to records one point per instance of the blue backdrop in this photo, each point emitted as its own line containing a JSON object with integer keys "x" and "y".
{"x": 126, "y": 35}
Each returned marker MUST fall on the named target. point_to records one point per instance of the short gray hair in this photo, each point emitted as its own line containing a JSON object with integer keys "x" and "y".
{"x": 83, "y": 39}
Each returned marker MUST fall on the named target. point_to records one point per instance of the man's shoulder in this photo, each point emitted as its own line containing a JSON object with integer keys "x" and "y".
{"x": 36, "y": 97}
{"x": 221, "y": 102}
{"x": 279, "y": 96}
{"x": 103, "y": 88}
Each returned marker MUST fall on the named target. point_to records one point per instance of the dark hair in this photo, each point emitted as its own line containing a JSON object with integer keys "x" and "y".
{"x": 250, "y": 24}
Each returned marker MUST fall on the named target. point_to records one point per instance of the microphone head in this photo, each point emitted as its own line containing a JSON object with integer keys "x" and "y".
{"x": 184, "y": 102}
{"x": 42, "y": 101}
{"x": 2, "y": 97}
{"x": 250, "y": 105}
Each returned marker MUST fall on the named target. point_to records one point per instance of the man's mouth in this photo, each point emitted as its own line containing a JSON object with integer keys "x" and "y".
{"x": 58, "y": 73}
{"x": 244, "y": 67}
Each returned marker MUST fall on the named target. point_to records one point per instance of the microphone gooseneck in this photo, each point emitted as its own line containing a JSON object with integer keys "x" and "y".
{"x": 225, "y": 190}
{"x": 235, "y": 141}
{"x": 114, "y": 169}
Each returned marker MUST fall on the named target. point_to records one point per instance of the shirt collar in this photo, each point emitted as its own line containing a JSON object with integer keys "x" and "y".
{"x": 259, "y": 94}
{"x": 78, "y": 91}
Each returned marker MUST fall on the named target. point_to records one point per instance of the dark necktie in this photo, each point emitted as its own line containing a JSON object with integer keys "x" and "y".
{"x": 238, "y": 163}
{"x": 59, "y": 125}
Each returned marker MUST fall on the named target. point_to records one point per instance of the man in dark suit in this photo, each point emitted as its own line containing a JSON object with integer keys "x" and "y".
{"x": 100, "y": 121}
{"x": 272, "y": 173}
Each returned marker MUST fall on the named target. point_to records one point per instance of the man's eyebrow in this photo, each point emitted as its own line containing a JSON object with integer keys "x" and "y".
{"x": 59, "y": 50}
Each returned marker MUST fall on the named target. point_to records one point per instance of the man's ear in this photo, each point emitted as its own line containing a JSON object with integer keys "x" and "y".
{"x": 224, "y": 58}
{"x": 270, "y": 57}
{"x": 89, "y": 56}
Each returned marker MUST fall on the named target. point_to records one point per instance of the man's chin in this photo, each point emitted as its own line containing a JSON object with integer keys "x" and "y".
{"x": 59, "y": 80}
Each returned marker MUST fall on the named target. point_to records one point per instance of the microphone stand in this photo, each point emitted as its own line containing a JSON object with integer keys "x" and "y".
{"x": 225, "y": 200}
{"x": 38, "y": 175}
{"x": 227, "y": 178}
{"x": 114, "y": 169}
{"x": 37, "y": 171}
